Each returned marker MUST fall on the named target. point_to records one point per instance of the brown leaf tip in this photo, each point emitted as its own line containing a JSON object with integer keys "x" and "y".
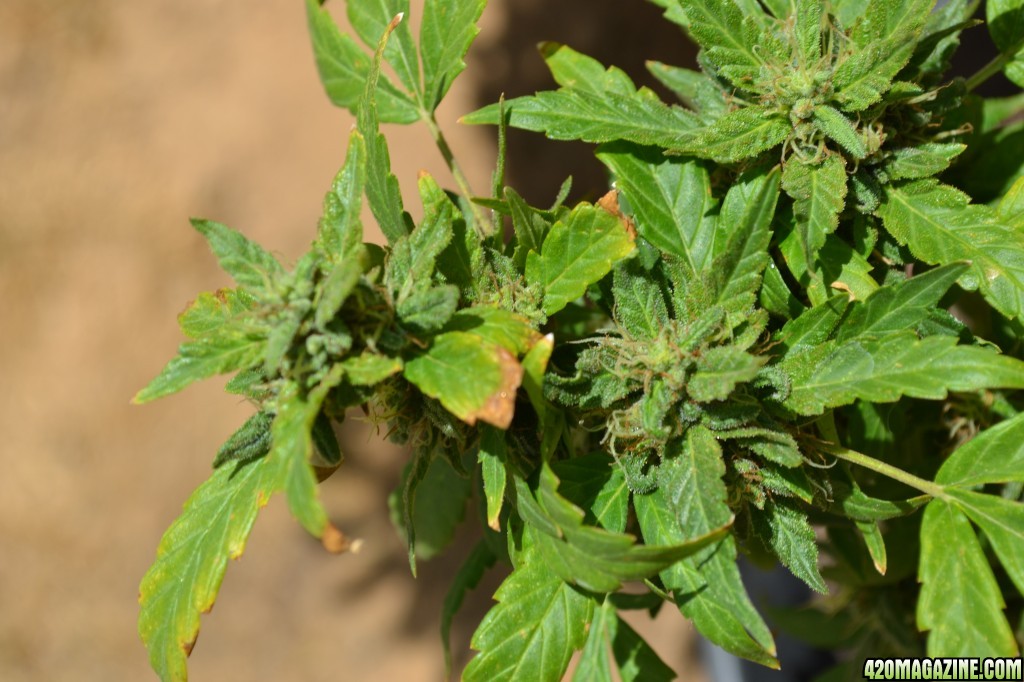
{"x": 500, "y": 406}
{"x": 610, "y": 203}
{"x": 336, "y": 542}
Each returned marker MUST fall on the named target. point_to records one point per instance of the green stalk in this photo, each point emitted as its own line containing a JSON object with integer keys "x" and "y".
{"x": 483, "y": 226}
{"x": 994, "y": 66}
{"x": 827, "y": 428}
{"x": 860, "y": 459}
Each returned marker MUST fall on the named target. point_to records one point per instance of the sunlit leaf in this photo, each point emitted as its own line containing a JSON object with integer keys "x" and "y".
{"x": 448, "y": 29}
{"x": 960, "y": 605}
{"x": 472, "y": 379}
{"x": 577, "y": 253}
{"x": 531, "y": 633}
{"x": 940, "y": 226}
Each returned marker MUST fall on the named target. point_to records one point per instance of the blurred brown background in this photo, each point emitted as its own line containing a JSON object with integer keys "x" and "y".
{"x": 118, "y": 121}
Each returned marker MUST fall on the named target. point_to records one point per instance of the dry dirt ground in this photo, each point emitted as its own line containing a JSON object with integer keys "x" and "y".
{"x": 118, "y": 120}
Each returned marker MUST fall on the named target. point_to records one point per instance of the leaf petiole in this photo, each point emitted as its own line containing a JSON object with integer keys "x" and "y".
{"x": 860, "y": 459}
{"x": 995, "y": 66}
{"x": 483, "y": 225}
{"x": 827, "y": 427}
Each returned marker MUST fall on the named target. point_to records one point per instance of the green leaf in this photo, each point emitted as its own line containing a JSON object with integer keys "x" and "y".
{"x": 640, "y": 306}
{"x": 775, "y": 446}
{"x": 535, "y": 362}
{"x": 210, "y": 313}
{"x": 530, "y": 228}
{"x": 340, "y": 282}
{"x": 849, "y": 500}
{"x": 921, "y": 161}
{"x": 728, "y": 40}
{"x": 899, "y": 306}
{"x": 531, "y": 634}
{"x": 326, "y": 449}
{"x": 1005, "y": 20}
{"x": 787, "y": 481}
{"x": 375, "y": 18}
{"x": 960, "y": 603}
{"x": 673, "y": 11}
{"x": 746, "y": 216}
{"x": 247, "y": 262}
{"x": 414, "y": 259}
{"x": 572, "y": 69}
{"x": 427, "y": 310}
{"x": 670, "y": 198}
{"x": 996, "y": 455}
{"x": 220, "y": 353}
{"x": 465, "y": 581}
{"x": 788, "y": 533}
{"x": 280, "y": 339}
{"x": 473, "y": 379}
{"x": 292, "y": 447}
{"x": 807, "y": 30}
{"x": 574, "y": 114}
{"x": 217, "y": 519}
{"x": 708, "y": 588}
{"x": 614, "y": 646}
{"x": 448, "y": 29}
{"x": 776, "y": 297}
{"x": 598, "y": 486}
{"x": 402, "y": 500}
{"x": 591, "y": 557}
{"x": 892, "y": 18}
{"x": 690, "y": 479}
{"x": 696, "y": 90}
{"x": 899, "y": 364}
{"x": 819, "y": 195}
{"x": 840, "y": 130}
{"x": 940, "y": 226}
{"x": 1003, "y": 523}
{"x": 848, "y": 11}
{"x": 382, "y": 192}
{"x": 251, "y": 441}
{"x": 496, "y": 325}
{"x": 492, "y": 456}
{"x": 737, "y": 135}
{"x": 993, "y": 161}
{"x": 939, "y": 40}
{"x": 576, "y": 253}
{"x": 462, "y": 261}
{"x": 719, "y": 370}
{"x": 344, "y": 67}
{"x": 861, "y": 78}
{"x": 340, "y": 230}
{"x": 438, "y": 505}
{"x": 192, "y": 558}
{"x": 823, "y": 629}
{"x": 841, "y": 267}
{"x": 813, "y": 327}
{"x": 1011, "y": 206}
{"x": 369, "y": 369}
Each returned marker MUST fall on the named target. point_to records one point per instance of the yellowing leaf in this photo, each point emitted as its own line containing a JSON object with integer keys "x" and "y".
{"x": 577, "y": 253}
{"x": 472, "y": 378}
{"x": 184, "y": 580}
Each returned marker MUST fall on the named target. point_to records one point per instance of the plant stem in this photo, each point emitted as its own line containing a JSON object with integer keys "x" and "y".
{"x": 854, "y": 457}
{"x": 483, "y": 226}
{"x": 827, "y": 427}
{"x": 994, "y": 66}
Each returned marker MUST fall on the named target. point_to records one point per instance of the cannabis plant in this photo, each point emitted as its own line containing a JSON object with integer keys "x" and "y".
{"x": 791, "y": 329}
